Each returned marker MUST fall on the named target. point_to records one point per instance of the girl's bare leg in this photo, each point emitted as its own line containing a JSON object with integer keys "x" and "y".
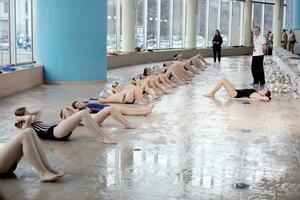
{"x": 230, "y": 89}
{"x": 130, "y": 95}
{"x": 179, "y": 79}
{"x": 161, "y": 87}
{"x": 168, "y": 81}
{"x": 83, "y": 117}
{"x": 110, "y": 99}
{"x": 23, "y": 144}
{"x": 106, "y": 112}
{"x": 138, "y": 96}
{"x": 43, "y": 157}
{"x": 153, "y": 86}
{"x": 136, "y": 111}
{"x": 166, "y": 84}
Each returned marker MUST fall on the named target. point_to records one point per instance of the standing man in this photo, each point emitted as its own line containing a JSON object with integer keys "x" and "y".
{"x": 257, "y": 67}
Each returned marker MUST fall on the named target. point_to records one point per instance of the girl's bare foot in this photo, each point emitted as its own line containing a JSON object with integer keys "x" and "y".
{"x": 209, "y": 95}
{"x": 129, "y": 126}
{"x": 49, "y": 177}
{"x": 59, "y": 173}
{"x": 108, "y": 141}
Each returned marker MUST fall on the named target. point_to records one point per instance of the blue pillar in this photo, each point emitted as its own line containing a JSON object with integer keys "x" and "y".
{"x": 296, "y": 13}
{"x": 71, "y": 39}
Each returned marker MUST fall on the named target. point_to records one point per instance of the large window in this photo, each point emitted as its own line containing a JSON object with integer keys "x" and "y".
{"x": 289, "y": 14}
{"x": 23, "y": 31}
{"x": 160, "y": 24}
{"x": 236, "y": 23}
{"x": 4, "y": 33}
{"x": 152, "y": 25}
{"x": 165, "y": 25}
{"x": 268, "y": 18}
{"x": 139, "y": 23}
{"x": 224, "y": 24}
{"x": 177, "y": 24}
{"x": 257, "y": 14}
{"x": 213, "y": 19}
{"x": 201, "y": 22}
{"x": 111, "y": 25}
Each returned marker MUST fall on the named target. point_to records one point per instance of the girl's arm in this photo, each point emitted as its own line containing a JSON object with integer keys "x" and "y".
{"x": 27, "y": 121}
{"x": 36, "y": 115}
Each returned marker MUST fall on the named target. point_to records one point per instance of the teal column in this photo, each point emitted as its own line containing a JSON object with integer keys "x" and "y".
{"x": 71, "y": 39}
{"x": 296, "y": 13}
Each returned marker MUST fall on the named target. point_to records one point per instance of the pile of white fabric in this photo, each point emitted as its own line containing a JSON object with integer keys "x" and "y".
{"x": 278, "y": 80}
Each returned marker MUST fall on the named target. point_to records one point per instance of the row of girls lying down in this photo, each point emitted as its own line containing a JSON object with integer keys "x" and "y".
{"x": 154, "y": 82}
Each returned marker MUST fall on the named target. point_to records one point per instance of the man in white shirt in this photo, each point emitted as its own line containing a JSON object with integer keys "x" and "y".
{"x": 257, "y": 66}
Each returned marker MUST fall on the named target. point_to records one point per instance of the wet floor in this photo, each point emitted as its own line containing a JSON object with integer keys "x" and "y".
{"x": 190, "y": 147}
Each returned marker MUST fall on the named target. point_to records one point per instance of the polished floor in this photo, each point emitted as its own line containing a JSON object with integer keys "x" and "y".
{"x": 190, "y": 147}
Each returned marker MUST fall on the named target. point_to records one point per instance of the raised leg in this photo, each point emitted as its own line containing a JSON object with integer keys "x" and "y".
{"x": 230, "y": 89}
{"x": 111, "y": 111}
{"x": 83, "y": 117}
{"x": 23, "y": 144}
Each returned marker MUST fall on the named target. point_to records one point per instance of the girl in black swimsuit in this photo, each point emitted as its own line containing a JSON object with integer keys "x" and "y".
{"x": 61, "y": 131}
{"x": 263, "y": 95}
{"x": 28, "y": 144}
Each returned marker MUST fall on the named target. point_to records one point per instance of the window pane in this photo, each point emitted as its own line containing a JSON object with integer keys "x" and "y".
{"x": 23, "y": 31}
{"x": 224, "y": 24}
{"x": 111, "y": 25}
{"x": 289, "y": 15}
{"x": 177, "y": 23}
{"x": 4, "y": 33}
{"x": 139, "y": 23}
{"x": 213, "y": 19}
{"x": 201, "y": 22}
{"x": 257, "y": 14}
{"x": 152, "y": 25}
{"x": 165, "y": 24}
{"x": 268, "y": 18}
{"x": 236, "y": 23}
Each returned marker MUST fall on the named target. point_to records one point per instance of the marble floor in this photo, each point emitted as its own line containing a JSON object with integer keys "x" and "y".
{"x": 190, "y": 147}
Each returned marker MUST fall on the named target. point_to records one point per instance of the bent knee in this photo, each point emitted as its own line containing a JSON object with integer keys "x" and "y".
{"x": 83, "y": 112}
{"x": 28, "y": 131}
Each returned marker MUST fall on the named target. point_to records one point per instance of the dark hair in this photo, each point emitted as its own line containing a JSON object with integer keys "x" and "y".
{"x": 20, "y": 111}
{"x": 61, "y": 114}
{"x": 268, "y": 94}
{"x": 218, "y": 33}
{"x": 74, "y": 104}
{"x": 145, "y": 73}
{"x": 175, "y": 55}
{"x": 164, "y": 65}
{"x": 283, "y": 30}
